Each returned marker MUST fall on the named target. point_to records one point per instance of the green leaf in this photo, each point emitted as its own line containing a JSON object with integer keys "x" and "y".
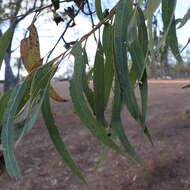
{"x": 13, "y": 109}
{"x": 185, "y": 18}
{"x": 105, "y": 149}
{"x": 29, "y": 123}
{"x": 98, "y": 83}
{"x": 7, "y": 130}
{"x": 134, "y": 46}
{"x": 4, "y": 43}
{"x": 142, "y": 31}
{"x": 55, "y": 4}
{"x": 99, "y": 12}
{"x": 122, "y": 19}
{"x": 38, "y": 85}
{"x": 186, "y": 86}
{"x": 3, "y": 102}
{"x": 143, "y": 86}
{"x": 152, "y": 6}
{"x": 108, "y": 69}
{"x": 149, "y": 12}
{"x": 1, "y": 147}
{"x": 41, "y": 77}
{"x": 131, "y": 24}
{"x": 80, "y": 105}
{"x": 168, "y": 10}
{"x": 117, "y": 124}
{"x": 38, "y": 80}
{"x": 102, "y": 158}
{"x": 87, "y": 90}
{"x": 138, "y": 48}
{"x": 56, "y": 138}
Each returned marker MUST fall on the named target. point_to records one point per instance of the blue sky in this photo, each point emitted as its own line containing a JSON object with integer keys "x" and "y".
{"x": 183, "y": 33}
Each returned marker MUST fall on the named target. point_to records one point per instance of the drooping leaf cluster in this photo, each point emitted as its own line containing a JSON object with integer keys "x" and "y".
{"x": 125, "y": 47}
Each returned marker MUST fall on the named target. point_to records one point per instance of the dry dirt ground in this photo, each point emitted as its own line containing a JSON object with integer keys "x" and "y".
{"x": 166, "y": 167}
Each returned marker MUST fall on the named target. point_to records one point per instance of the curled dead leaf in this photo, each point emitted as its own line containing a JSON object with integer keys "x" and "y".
{"x": 54, "y": 95}
{"x": 30, "y": 53}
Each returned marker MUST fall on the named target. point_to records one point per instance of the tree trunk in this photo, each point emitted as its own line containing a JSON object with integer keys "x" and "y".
{"x": 164, "y": 62}
{"x": 10, "y": 79}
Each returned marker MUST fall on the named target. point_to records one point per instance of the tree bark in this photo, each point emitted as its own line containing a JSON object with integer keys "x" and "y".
{"x": 10, "y": 79}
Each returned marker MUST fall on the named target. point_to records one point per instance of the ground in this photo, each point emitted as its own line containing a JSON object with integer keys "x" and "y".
{"x": 166, "y": 164}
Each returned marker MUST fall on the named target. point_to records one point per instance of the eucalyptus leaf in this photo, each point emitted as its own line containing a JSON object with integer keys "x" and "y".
{"x": 168, "y": 14}
{"x": 107, "y": 40}
{"x": 4, "y": 99}
{"x": 122, "y": 19}
{"x": 7, "y": 130}
{"x": 116, "y": 123}
{"x": 99, "y": 12}
{"x": 98, "y": 84}
{"x": 87, "y": 90}
{"x": 80, "y": 105}
{"x": 151, "y": 7}
{"x": 186, "y": 86}
{"x": 56, "y": 138}
{"x": 185, "y": 19}
{"x": 4, "y": 43}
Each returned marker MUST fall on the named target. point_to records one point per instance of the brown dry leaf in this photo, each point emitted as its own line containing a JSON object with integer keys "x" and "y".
{"x": 55, "y": 96}
{"x": 30, "y": 53}
{"x": 30, "y": 50}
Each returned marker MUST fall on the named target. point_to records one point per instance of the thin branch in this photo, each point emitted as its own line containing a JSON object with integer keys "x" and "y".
{"x": 92, "y": 20}
{"x": 33, "y": 11}
{"x": 86, "y": 36}
{"x": 61, "y": 37}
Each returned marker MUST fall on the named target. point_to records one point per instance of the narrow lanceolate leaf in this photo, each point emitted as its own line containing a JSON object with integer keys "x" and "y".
{"x": 122, "y": 20}
{"x": 55, "y": 4}
{"x": 116, "y": 123}
{"x": 102, "y": 157}
{"x": 143, "y": 43}
{"x": 40, "y": 78}
{"x": 3, "y": 102}
{"x": 134, "y": 46}
{"x": 19, "y": 131}
{"x": 38, "y": 87}
{"x": 56, "y": 138}
{"x": 186, "y": 86}
{"x": 98, "y": 84}
{"x": 168, "y": 10}
{"x": 80, "y": 105}
{"x": 143, "y": 86}
{"x": 4, "y": 43}
{"x": 87, "y": 90}
{"x": 151, "y": 7}
{"x": 149, "y": 12}
{"x": 142, "y": 32}
{"x": 185, "y": 18}
{"x": 109, "y": 67}
{"x": 126, "y": 35}
{"x": 99, "y": 12}
{"x": 7, "y": 130}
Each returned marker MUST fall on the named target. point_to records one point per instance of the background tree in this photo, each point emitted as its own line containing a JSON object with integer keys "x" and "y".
{"x": 12, "y": 9}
